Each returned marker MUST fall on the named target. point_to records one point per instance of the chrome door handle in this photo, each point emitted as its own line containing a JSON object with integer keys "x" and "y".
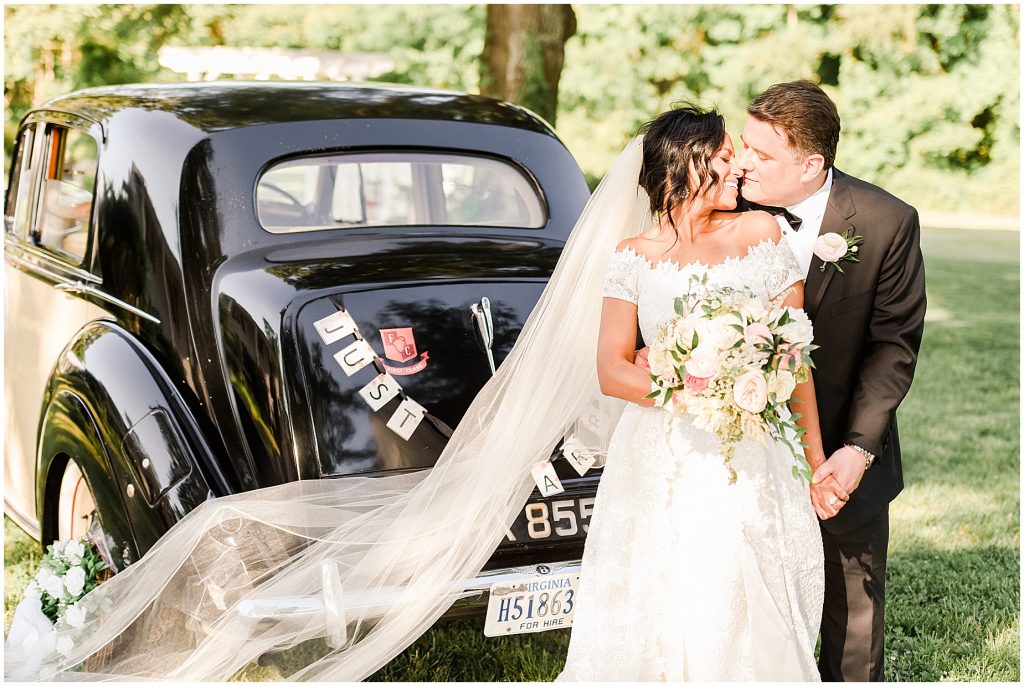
{"x": 485, "y": 325}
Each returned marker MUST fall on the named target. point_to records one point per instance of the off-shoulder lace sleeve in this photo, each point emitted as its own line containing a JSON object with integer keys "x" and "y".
{"x": 622, "y": 279}
{"x": 781, "y": 269}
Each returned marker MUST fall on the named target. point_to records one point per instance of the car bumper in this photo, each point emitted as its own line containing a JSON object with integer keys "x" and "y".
{"x": 337, "y": 605}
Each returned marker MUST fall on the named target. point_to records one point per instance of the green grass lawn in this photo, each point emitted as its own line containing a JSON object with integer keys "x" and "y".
{"x": 954, "y": 554}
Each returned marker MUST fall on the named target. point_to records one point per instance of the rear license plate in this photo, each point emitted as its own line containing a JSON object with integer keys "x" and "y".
{"x": 555, "y": 518}
{"x": 537, "y": 604}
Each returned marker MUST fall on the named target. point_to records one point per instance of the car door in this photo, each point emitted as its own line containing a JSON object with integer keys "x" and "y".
{"x": 48, "y": 218}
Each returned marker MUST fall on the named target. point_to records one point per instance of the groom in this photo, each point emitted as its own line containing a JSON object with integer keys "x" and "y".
{"x": 868, "y": 320}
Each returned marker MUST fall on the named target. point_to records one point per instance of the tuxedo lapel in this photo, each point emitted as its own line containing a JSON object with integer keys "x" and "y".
{"x": 836, "y": 220}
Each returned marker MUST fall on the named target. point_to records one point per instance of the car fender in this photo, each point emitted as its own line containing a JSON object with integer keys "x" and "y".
{"x": 111, "y": 407}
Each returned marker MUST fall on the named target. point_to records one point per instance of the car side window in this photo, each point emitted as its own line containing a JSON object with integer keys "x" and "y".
{"x": 20, "y": 201}
{"x": 71, "y": 158}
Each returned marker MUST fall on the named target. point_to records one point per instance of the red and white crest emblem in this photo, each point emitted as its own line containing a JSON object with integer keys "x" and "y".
{"x": 399, "y": 345}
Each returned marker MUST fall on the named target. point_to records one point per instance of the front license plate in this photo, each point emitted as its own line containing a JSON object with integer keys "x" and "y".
{"x": 537, "y": 604}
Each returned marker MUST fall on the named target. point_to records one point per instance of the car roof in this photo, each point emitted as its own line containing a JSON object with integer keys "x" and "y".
{"x": 220, "y": 105}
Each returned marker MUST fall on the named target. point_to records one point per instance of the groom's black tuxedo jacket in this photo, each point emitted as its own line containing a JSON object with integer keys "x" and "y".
{"x": 868, "y": 321}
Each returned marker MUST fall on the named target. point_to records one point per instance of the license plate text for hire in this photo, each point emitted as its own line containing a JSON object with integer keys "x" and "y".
{"x": 538, "y": 604}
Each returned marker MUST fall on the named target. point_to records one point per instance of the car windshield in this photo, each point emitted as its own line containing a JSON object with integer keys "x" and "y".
{"x": 396, "y": 189}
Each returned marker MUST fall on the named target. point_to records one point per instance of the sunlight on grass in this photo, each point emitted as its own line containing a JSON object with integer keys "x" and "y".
{"x": 21, "y": 560}
{"x": 937, "y": 314}
{"x": 950, "y": 516}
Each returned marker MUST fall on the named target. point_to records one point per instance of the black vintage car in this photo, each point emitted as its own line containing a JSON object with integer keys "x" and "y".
{"x": 187, "y": 268}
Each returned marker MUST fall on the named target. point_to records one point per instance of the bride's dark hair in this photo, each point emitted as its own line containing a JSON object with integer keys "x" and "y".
{"x": 673, "y": 141}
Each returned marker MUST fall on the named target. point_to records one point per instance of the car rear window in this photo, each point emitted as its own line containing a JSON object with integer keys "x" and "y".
{"x": 396, "y": 189}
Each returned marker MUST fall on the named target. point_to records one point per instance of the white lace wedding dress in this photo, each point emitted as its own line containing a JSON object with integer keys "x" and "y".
{"x": 686, "y": 577}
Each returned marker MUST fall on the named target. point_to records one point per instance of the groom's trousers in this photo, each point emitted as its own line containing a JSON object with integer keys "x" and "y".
{"x": 852, "y": 623}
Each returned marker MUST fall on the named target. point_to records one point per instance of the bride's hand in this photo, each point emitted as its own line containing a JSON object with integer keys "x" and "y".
{"x": 640, "y": 359}
{"x": 828, "y": 497}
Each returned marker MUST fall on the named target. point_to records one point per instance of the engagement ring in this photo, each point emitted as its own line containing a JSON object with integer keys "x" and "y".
{"x": 833, "y": 500}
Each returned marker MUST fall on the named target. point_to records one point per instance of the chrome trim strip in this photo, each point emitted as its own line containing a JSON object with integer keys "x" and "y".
{"x": 70, "y": 118}
{"x": 375, "y": 603}
{"x": 14, "y": 245}
{"x": 33, "y": 268}
{"x": 65, "y": 283}
{"x": 97, "y": 293}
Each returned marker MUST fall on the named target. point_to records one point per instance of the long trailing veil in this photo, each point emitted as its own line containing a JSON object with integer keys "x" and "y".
{"x": 364, "y": 565}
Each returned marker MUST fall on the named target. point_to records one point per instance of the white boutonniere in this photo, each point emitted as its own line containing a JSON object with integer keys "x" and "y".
{"x": 834, "y": 248}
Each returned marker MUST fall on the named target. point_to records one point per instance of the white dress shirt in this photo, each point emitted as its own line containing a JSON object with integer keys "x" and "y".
{"x": 811, "y": 210}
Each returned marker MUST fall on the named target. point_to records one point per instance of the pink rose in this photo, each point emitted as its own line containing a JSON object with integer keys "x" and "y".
{"x": 787, "y": 353}
{"x": 757, "y": 333}
{"x": 695, "y": 383}
{"x": 751, "y": 392}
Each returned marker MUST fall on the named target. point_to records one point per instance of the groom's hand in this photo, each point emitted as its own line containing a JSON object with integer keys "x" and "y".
{"x": 846, "y": 465}
{"x": 640, "y": 359}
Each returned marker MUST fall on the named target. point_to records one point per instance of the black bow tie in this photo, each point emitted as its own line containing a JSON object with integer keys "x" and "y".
{"x": 794, "y": 221}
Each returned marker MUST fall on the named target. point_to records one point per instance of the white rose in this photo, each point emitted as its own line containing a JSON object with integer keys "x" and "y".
{"x": 781, "y": 385}
{"x": 73, "y": 551}
{"x": 716, "y": 333}
{"x": 798, "y": 329}
{"x": 75, "y": 616}
{"x": 682, "y": 332}
{"x": 757, "y": 333}
{"x": 725, "y": 332}
{"x": 662, "y": 365}
{"x": 830, "y": 247}
{"x": 50, "y": 582}
{"x": 703, "y": 362}
{"x": 74, "y": 581}
{"x": 752, "y": 309}
{"x": 751, "y": 392}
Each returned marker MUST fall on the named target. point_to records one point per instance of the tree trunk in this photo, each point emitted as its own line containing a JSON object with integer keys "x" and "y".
{"x": 523, "y": 54}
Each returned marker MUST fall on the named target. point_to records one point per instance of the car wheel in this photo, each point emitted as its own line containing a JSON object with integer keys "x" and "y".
{"x": 76, "y": 506}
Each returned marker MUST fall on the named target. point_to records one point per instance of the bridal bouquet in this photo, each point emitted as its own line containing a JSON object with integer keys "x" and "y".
{"x": 68, "y": 570}
{"x": 732, "y": 363}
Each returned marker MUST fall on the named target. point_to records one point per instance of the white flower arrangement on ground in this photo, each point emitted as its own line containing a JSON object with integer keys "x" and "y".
{"x": 68, "y": 571}
{"x": 732, "y": 364}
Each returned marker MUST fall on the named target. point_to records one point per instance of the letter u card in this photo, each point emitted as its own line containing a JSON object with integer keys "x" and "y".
{"x": 380, "y": 391}
{"x": 355, "y": 357}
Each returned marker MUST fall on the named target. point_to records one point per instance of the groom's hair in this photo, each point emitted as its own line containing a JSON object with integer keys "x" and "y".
{"x": 805, "y": 114}
{"x": 684, "y": 138}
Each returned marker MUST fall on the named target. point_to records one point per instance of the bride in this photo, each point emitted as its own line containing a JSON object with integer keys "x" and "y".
{"x": 685, "y": 576}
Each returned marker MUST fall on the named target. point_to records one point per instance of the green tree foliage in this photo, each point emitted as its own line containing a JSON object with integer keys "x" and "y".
{"x": 54, "y": 49}
{"x": 929, "y": 94}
